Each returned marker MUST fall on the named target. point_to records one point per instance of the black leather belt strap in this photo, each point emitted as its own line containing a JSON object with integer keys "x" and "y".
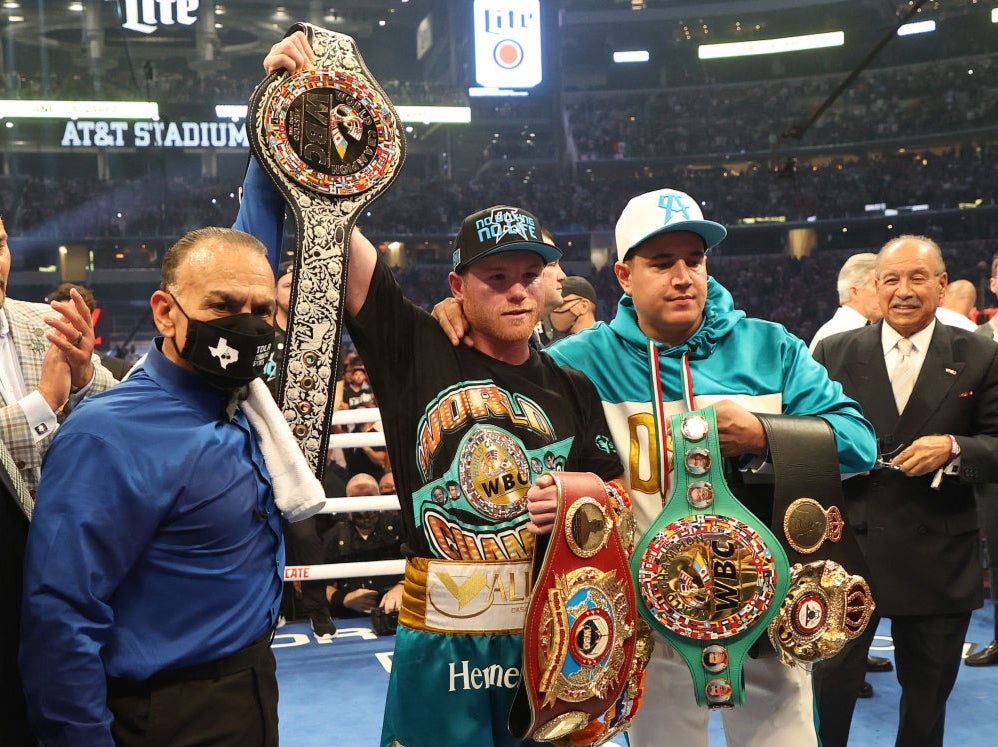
{"x": 808, "y": 503}
{"x": 237, "y": 661}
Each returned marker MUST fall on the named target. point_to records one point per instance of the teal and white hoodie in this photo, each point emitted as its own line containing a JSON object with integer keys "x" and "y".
{"x": 753, "y": 362}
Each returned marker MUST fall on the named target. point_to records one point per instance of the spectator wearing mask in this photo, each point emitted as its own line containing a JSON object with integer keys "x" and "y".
{"x": 577, "y": 310}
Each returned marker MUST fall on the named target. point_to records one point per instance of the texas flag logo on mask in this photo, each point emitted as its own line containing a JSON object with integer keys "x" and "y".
{"x": 224, "y": 353}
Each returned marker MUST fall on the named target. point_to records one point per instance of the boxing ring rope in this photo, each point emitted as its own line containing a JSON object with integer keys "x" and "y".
{"x": 346, "y": 505}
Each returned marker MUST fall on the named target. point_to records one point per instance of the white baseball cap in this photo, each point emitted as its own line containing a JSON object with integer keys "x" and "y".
{"x": 663, "y": 211}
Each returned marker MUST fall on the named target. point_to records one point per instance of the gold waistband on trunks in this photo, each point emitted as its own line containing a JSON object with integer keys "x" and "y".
{"x": 466, "y": 597}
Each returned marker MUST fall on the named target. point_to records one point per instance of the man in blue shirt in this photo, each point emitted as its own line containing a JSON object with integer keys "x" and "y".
{"x": 155, "y": 557}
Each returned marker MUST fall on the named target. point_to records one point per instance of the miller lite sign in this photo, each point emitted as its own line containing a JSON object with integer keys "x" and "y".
{"x": 508, "y": 43}
{"x": 145, "y": 16}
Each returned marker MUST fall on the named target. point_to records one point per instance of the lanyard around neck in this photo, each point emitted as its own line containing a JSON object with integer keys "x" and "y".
{"x": 658, "y": 408}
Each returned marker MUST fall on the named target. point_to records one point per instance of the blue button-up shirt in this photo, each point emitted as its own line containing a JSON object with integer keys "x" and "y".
{"x": 155, "y": 544}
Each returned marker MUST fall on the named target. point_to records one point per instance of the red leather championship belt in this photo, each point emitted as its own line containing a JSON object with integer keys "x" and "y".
{"x": 331, "y": 142}
{"x": 583, "y": 653}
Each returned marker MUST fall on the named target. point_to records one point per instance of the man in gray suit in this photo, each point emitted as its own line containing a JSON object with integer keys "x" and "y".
{"x": 931, "y": 393}
{"x": 46, "y": 362}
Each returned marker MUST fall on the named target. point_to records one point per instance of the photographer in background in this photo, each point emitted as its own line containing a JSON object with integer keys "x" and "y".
{"x": 360, "y": 537}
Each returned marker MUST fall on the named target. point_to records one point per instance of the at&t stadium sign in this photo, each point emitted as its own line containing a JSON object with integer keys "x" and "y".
{"x": 120, "y": 134}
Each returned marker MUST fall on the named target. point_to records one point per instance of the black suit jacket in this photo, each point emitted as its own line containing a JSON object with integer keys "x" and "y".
{"x": 14, "y": 729}
{"x": 922, "y": 544}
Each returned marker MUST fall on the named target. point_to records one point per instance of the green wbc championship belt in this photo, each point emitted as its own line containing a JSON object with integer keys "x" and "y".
{"x": 331, "y": 142}
{"x": 709, "y": 575}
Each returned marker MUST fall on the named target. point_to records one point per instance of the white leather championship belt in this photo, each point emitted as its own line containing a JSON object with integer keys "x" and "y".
{"x": 331, "y": 142}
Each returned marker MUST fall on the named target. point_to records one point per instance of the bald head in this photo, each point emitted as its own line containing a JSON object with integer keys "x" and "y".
{"x": 362, "y": 484}
{"x": 960, "y": 296}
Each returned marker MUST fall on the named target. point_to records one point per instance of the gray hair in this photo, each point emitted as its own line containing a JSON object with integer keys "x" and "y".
{"x": 855, "y": 273}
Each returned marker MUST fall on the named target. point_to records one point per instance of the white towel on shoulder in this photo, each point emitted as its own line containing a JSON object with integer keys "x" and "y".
{"x": 297, "y": 492}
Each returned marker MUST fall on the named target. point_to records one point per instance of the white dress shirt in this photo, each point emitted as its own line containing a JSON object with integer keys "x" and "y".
{"x": 889, "y": 339}
{"x": 921, "y": 339}
{"x": 954, "y": 319}
{"x": 843, "y": 320}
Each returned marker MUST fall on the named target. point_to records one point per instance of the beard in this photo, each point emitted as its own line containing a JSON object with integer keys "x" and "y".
{"x": 492, "y": 322}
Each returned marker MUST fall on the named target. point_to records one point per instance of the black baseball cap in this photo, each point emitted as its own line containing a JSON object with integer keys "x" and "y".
{"x": 578, "y": 286}
{"x": 285, "y": 267}
{"x": 500, "y": 228}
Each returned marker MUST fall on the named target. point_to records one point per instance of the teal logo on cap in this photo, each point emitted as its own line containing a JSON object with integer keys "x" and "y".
{"x": 672, "y": 203}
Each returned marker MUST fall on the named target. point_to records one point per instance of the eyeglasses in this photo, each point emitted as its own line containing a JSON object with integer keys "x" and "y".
{"x": 884, "y": 459}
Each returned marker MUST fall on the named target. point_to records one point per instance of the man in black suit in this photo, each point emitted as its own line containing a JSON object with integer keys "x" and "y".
{"x": 931, "y": 392}
{"x": 14, "y": 728}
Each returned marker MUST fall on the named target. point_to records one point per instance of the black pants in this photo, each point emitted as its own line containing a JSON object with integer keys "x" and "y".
{"x": 836, "y": 686}
{"x": 987, "y": 510}
{"x": 304, "y": 547}
{"x": 927, "y": 651}
{"x": 228, "y": 703}
{"x": 14, "y": 730}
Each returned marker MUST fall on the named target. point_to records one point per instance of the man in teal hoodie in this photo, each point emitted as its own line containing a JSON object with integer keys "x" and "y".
{"x": 673, "y": 315}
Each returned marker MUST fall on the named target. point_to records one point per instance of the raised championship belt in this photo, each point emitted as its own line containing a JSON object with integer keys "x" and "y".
{"x": 710, "y": 575}
{"x": 829, "y": 602}
{"x": 583, "y": 656}
{"x": 331, "y": 142}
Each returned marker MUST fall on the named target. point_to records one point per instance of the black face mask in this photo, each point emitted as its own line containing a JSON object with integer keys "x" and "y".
{"x": 229, "y": 352}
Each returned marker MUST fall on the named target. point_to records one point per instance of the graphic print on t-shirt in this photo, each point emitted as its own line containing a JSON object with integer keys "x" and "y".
{"x": 474, "y": 507}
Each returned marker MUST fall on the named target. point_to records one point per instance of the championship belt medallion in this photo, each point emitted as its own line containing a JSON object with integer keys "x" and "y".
{"x": 583, "y": 654}
{"x": 709, "y": 575}
{"x": 331, "y": 142}
{"x": 825, "y": 608}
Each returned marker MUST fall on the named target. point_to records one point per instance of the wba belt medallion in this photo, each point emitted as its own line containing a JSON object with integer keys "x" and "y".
{"x": 825, "y": 609}
{"x": 331, "y": 142}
